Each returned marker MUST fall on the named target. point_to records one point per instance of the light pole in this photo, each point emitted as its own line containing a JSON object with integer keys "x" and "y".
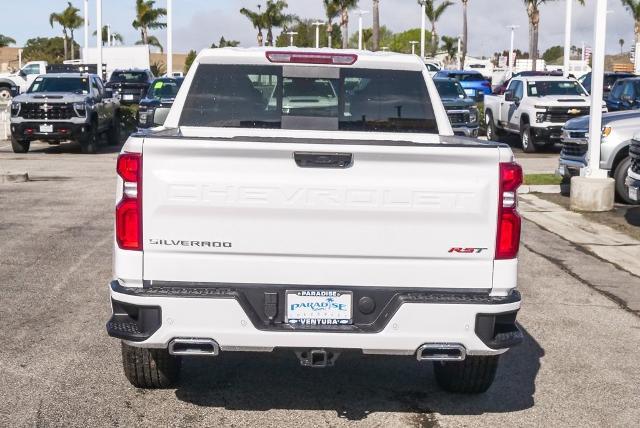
{"x": 318, "y": 24}
{"x": 291, "y": 34}
{"x": 423, "y": 28}
{"x": 361, "y": 13}
{"x": 459, "y": 52}
{"x": 413, "y": 46}
{"x": 169, "y": 38}
{"x": 109, "y": 42}
{"x": 597, "y": 82}
{"x": 594, "y": 190}
{"x": 99, "y": 33}
{"x": 567, "y": 37}
{"x": 86, "y": 31}
{"x": 512, "y": 58}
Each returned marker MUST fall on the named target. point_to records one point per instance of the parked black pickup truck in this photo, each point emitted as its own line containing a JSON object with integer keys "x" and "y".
{"x": 161, "y": 94}
{"x": 65, "y": 107}
{"x": 130, "y": 86}
{"x": 462, "y": 110}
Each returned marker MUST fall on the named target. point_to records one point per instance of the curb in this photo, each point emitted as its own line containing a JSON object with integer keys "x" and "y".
{"x": 551, "y": 188}
{"x": 14, "y": 177}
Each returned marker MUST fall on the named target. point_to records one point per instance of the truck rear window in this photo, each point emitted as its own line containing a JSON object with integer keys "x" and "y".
{"x": 247, "y": 96}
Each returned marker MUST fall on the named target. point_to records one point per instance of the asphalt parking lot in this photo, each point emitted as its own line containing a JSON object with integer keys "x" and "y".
{"x": 577, "y": 367}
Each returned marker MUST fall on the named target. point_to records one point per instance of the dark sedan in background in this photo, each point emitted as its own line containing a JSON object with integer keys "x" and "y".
{"x": 161, "y": 94}
{"x": 130, "y": 86}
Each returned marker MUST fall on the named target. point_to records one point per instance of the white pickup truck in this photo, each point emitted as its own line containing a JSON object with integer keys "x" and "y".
{"x": 248, "y": 225}
{"x": 536, "y": 108}
{"x": 14, "y": 83}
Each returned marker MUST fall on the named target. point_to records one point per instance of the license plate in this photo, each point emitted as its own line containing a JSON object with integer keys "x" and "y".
{"x": 319, "y": 307}
{"x": 127, "y": 97}
{"x": 46, "y": 128}
{"x": 633, "y": 193}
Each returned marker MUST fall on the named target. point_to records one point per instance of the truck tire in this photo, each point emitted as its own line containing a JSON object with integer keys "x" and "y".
{"x": 5, "y": 94}
{"x": 527, "y": 139}
{"x": 89, "y": 141}
{"x": 150, "y": 368}
{"x": 620, "y": 175}
{"x": 19, "y": 146}
{"x": 114, "y": 133}
{"x": 474, "y": 375}
{"x": 492, "y": 131}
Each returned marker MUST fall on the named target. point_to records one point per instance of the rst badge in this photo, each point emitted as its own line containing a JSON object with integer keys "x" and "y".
{"x": 470, "y": 250}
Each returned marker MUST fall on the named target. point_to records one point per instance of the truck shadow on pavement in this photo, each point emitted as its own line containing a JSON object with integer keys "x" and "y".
{"x": 72, "y": 148}
{"x": 356, "y": 387}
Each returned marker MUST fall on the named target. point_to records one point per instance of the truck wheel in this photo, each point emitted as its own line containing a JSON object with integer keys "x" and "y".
{"x": 528, "y": 142}
{"x": 474, "y": 375}
{"x": 5, "y": 94}
{"x": 113, "y": 136}
{"x": 620, "y": 175}
{"x": 150, "y": 368}
{"x": 89, "y": 141}
{"x": 19, "y": 146}
{"x": 492, "y": 131}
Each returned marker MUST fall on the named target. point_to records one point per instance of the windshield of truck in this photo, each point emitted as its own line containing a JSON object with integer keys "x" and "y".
{"x": 252, "y": 96}
{"x": 164, "y": 89}
{"x": 450, "y": 89}
{"x": 129, "y": 77}
{"x": 76, "y": 85}
{"x": 557, "y": 87}
{"x": 467, "y": 77}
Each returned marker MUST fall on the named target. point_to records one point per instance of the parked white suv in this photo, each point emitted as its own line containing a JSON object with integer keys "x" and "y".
{"x": 247, "y": 226}
{"x": 535, "y": 108}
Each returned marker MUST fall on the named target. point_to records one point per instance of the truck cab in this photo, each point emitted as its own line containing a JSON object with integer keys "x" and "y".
{"x": 536, "y": 108}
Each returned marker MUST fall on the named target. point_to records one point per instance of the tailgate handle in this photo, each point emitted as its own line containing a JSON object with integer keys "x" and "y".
{"x": 323, "y": 160}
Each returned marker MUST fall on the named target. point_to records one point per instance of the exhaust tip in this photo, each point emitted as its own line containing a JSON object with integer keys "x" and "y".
{"x": 441, "y": 352}
{"x": 194, "y": 346}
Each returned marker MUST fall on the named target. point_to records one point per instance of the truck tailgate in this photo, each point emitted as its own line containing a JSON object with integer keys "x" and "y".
{"x": 244, "y": 212}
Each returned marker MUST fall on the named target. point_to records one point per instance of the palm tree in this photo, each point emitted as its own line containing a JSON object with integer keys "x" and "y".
{"x": 533, "y": 12}
{"x": 148, "y": 18}
{"x": 633, "y": 6}
{"x": 465, "y": 33}
{"x": 434, "y": 12}
{"x": 376, "y": 25}
{"x": 344, "y": 6}
{"x": 70, "y": 20}
{"x": 450, "y": 46}
{"x": 151, "y": 41}
{"x": 332, "y": 11}
{"x": 6, "y": 41}
{"x": 105, "y": 36}
{"x": 274, "y": 16}
{"x": 257, "y": 20}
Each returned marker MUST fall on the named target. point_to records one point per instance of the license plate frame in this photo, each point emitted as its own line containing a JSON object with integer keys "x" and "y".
{"x": 127, "y": 97}
{"x": 318, "y": 307}
{"x": 46, "y": 129}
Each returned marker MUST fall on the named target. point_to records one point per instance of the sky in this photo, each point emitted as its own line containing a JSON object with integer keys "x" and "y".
{"x": 198, "y": 23}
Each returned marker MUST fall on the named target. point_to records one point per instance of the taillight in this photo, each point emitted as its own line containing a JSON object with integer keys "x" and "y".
{"x": 311, "y": 58}
{"x": 509, "y": 222}
{"x": 129, "y": 209}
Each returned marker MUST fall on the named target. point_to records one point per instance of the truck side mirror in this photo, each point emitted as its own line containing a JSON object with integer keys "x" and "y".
{"x": 508, "y": 96}
{"x": 108, "y": 93}
{"x": 160, "y": 115}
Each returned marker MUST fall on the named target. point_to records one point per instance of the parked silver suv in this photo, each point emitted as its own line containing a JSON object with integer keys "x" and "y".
{"x": 618, "y": 129}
